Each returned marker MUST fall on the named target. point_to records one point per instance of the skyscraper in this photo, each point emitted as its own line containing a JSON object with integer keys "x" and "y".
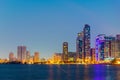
{"x": 21, "y": 53}
{"x": 79, "y": 45}
{"x": 65, "y": 51}
{"x": 100, "y": 41}
{"x": 117, "y": 47}
{"x": 108, "y": 47}
{"x": 86, "y": 43}
{"x": 104, "y": 47}
{"x": 83, "y": 44}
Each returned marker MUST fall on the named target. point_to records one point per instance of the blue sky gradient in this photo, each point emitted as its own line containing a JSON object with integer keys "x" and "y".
{"x": 43, "y": 25}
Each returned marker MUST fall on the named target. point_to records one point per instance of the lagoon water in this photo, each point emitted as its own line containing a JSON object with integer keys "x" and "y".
{"x": 59, "y": 72}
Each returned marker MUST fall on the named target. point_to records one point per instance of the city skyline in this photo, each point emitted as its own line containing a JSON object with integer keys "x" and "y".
{"x": 44, "y": 25}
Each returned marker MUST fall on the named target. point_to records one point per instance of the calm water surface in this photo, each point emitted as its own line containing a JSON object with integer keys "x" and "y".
{"x": 59, "y": 72}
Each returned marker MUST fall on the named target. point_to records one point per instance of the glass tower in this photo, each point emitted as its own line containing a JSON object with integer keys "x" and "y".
{"x": 79, "y": 45}
{"x": 86, "y": 43}
{"x": 65, "y": 51}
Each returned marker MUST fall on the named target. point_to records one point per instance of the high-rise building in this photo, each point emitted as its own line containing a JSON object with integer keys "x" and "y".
{"x": 65, "y": 51}
{"x": 11, "y": 57}
{"x": 83, "y": 45}
{"x": 116, "y": 47}
{"x": 79, "y": 45}
{"x": 113, "y": 49}
{"x": 21, "y": 53}
{"x": 104, "y": 48}
{"x": 100, "y": 47}
{"x": 108, "y": 47}
{"x": 36, "y": 57}
{"x": 86, "y": 43}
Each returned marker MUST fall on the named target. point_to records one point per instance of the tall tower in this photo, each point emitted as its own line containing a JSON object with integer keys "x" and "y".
{"x": 86, "y": 43}
{"x": 21, "y": 53}
{"x": 65, "y": 51}
{"x": 79, "y": 45}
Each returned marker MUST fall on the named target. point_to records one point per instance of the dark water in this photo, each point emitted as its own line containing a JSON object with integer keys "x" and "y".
{"x": 59, "y": 72}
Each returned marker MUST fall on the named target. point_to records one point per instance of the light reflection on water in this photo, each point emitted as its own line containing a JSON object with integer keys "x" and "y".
{"x": 59, "y": 72}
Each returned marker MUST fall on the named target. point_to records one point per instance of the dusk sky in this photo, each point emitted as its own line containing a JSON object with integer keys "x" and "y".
{"x": 43, "y": 25}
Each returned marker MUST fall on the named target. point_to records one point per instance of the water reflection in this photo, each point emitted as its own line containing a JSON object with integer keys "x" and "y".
{"x": 98, "y": 72}
{"x": 59, "y": 72}
{"x": 108, "y": 77}
{"x": 77, "y": 76}
{"x": 51, "y": 74}
{"x": 83, "y": 72}
{"x": 104, "y": 72}
{"x": 117, "y": 73}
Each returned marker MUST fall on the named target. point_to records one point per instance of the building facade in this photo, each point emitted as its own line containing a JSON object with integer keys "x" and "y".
{"x": 108, "y": 46}
{"x": 79, "y": 45}
{"x": 116, "y": 47}
{"x": 36, "y": 57}
{"x": 57, "y": 57}
{"x": 65, "y": 51}
{"x": 86, "y": 43}
{"x": 72, "y": 56}
{"x": 11, "y": 57}
{"x": 105, "y": 47}
{"x": 93, "y": 55}
{"x": 83, "y": 45}
{"x": 21, "y": 53}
